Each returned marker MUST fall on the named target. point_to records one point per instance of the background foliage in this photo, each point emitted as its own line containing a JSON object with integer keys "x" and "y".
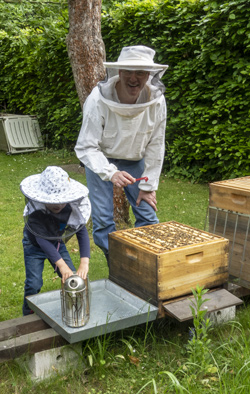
{"x": 36, "y": 76}
{"x": 206, "y": 44}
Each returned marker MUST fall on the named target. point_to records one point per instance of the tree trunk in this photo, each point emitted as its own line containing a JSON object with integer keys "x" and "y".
{"x": 86, "y": 49}
{"x": 86, "y": 52}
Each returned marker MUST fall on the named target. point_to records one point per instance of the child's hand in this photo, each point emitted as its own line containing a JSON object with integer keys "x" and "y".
{"x": 66, "y": 273}
{"x": 83, "y": 267}
{"x": 64, "y": 269}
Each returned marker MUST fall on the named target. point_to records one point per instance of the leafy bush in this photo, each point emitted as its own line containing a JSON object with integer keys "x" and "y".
{"x": 36, "y": 76}
{"x": 206, "y": 45}
{"x": 209, "y": 137}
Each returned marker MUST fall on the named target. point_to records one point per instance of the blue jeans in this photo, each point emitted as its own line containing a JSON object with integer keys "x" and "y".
{"x": 101, "y": 198}
{"x": 34, "y": 258}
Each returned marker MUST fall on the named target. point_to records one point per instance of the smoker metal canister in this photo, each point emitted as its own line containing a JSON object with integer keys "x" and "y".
{"x": 75, "y": 301}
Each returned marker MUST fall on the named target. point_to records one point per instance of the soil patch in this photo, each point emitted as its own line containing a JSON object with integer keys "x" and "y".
{"x": 73, "y": 168}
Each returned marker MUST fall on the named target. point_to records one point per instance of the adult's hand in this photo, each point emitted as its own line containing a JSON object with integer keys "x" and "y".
{"x": 149, "y": 197}
{"x": 122, "y": 179}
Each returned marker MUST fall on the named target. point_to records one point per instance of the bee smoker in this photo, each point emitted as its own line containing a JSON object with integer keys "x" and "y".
{"x": 75, "y": 301}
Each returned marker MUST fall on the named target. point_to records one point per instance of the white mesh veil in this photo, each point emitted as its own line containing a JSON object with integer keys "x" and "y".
{"x": 56, "y": 205}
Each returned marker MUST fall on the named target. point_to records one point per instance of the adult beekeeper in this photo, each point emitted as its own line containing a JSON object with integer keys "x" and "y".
{"x": 57, "y": 207}
{"x": 122, "y": 138}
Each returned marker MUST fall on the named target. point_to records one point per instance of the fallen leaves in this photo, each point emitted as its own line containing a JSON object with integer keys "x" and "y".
{"x": 134, "y": 360}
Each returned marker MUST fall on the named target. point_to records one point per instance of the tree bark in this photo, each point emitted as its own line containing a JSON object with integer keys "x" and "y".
{"x": 86, "y": 52}
{"x": 85, "y": 46}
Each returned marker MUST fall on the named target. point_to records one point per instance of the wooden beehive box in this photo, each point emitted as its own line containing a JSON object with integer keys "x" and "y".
{"x": 236, "y": 228}
{"x": 229, "y": 216}
{"x": 232, "y": 195}
{"x": 164, "y": 261}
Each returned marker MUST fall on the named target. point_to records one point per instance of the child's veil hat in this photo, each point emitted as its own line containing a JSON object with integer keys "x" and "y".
{"x": 53, "y": 186}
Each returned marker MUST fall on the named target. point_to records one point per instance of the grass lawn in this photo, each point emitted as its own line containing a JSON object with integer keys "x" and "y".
{"x": 177, "y": 200}
{"x": 150, "y": 358}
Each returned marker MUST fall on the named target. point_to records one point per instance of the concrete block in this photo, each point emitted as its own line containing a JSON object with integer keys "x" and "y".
{"x": 47, "y": 363}
{"x": 222, "y": 316}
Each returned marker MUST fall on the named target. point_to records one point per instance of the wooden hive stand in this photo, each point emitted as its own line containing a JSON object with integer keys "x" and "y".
{"x": 26, "y": 335}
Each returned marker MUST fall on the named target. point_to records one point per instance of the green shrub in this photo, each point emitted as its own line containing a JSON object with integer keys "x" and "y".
{"x": 206, "y": 45}
{"x": 36, "y": 76}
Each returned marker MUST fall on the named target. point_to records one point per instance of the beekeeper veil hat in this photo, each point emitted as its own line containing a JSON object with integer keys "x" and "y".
{"x": 135, "y": 58}
{"x": 138, "y": 57}
{"x": 54, "y": 187}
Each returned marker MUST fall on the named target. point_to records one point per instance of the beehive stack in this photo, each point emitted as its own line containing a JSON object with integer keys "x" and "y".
{"x": 164, "y": 261}
{"x": 229, "y": 216}
{"x": 232, "y": 195}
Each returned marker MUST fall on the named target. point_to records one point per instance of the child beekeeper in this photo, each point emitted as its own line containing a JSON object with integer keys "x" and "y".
{"x": 57, "y": 207}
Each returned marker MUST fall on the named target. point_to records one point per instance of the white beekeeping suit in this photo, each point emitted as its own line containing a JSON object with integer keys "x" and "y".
{"x": 130, "y": 132}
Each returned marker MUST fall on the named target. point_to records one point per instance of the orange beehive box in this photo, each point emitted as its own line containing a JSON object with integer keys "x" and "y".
{"x": 166, "y": 260}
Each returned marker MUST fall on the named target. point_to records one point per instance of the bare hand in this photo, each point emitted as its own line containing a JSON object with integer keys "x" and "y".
{"x": 66, "y": 273}
{"x": 149, "y": 197}
{"x": 122, "y": 179}
{"x": 64, "y": 269}
{"x": 83, "y": 268}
